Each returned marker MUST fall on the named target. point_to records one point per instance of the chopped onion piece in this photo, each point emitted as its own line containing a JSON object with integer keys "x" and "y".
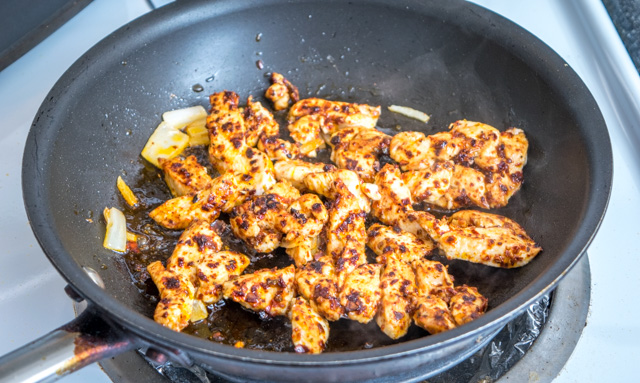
{"x": 199, "y": 311}
{"x": 116, "y": 236}
{"x": 410, "y": 112}
{"x": 126, "y": 192}
{"x": 179, "y": 118}
{"x": 165, "y": 142}
{"x": 198, "y": 132}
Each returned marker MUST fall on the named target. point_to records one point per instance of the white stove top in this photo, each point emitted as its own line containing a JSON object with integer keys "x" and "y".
{"x": 32, "y": 300}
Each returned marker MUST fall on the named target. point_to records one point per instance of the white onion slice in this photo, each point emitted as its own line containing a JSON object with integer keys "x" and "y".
{"x": 165, "y": 142}
{"x": 410, "y": 112}
{"x": 179, "y": 118}
{"x": 116, "y": 236}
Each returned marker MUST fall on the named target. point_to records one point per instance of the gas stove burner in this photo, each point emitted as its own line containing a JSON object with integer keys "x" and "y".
{"x": 519, "y": 352}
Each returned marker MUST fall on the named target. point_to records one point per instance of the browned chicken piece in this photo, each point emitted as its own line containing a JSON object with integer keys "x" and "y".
{"x": 295, "y": 171}
{"x": 398, "y": 289}
{"x": 393, "y": 243}
{"x": 345, "y": 232}
{"x": 224, "y": 193}
{"x": 258, "y": 121}
{"x": 433, "y": 314}
{"x": 489, "y": 239}
{"x": 263, "y": 130}
{"x": 184, "y": 176}
{"x": 467, "y": 304}
{"x": 492, "y": 242}
{"x": 309, "y": 330}
{"x": 227, "y": 133}
{"x": 176, "y": 297}
{"x": 302, "y": 223}
{"x": 256, "y": 220}
{"x": 277, "y": 148}
{"x": 214, "y": 269}
{"x": 483, "y": 165}
{"x": 268, "y": 290}
{"x": 317, "y": 282}
{"x": 322, "y": 183}
{"x": 312, "y": 118}
{"x": 196, "y": 242}
{"x": 281, "y": 92}
{"x": 360, "y": 293}
{"x": 431, "y": 184}
{"x": 358, "y": 149}
{"x": 395, "y": 207}
{"x": 432, "y": 278}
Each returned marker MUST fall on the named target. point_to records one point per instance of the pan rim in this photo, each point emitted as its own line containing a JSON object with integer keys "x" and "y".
{"x": 147, "y": 329}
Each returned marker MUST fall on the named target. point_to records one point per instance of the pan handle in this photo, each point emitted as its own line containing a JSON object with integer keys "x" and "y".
{"x": 83, "y": 341}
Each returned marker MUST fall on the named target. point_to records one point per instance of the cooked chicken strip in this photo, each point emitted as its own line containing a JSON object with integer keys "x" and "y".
{"x": 393, "y": 243}
{"x": 360, "y": 293}
{"x": 310, "y": 118}
{"x": 176, "y": 297}
{"x": 483, "y": 165}
{"x": 498, "y": 245}
{"x": 358, "y": 149}
{"x": 214, "y": 269}
{"x": 196, "y": 242}
{"x": 227, "y": 133}
{"x": 225, "y": 191}
{"x": 281, "y": 92}
{"x": 268, "y": 290}
{"x": 255, "y": 221}
{"x": 433, "y": 314}
{"x": 258, "y": 121}
{"x": 184, "y": 176}
{"x": 432, "y": 278}
{"x": 309, "y": 330}
{"x": 302, "y": 223}
{"x": 317, "y": 282}
{"x": 295, "y": 171}
{"x": 263, "y": 130}
{"x": 467, "y": 304}
{"x": 489, "y": 239}
{"x": 396, "y": 303}
{"x": 395, "y": 207}
{"x": 345, "y": 232}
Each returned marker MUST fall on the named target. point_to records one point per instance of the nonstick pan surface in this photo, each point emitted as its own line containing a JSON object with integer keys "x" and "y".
{"x": 451, "y": 59}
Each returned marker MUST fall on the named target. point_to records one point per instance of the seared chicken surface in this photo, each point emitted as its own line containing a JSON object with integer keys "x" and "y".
{"x": 255, "y": 220}
{"x": 473, "y": 164}
{"x": 358, "y": 149}
{"x": 194, "y": 272}
{"x": 360, "y": 294}
{"x": 309, "y": 330}
{"x": 398, "y": 289}
{"x": 176, "y": 297}
{"x": 270, "y": 291}
{"x": 312, "y": 119}
{"x": 302, "y": 224}
{"x": 184, "y": 176}
{"x": 317, "y": 282}
{"x": 215, "y": 269}
{"x": 281, "y": 92}
{"x": 472, "y": 236}
{"x": 345, "y": 231}
{"x": 224, "y": 193}
{"x": 295, "y": 171}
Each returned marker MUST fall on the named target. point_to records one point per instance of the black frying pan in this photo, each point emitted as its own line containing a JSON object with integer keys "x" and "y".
{"x": 452, "y": 59}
